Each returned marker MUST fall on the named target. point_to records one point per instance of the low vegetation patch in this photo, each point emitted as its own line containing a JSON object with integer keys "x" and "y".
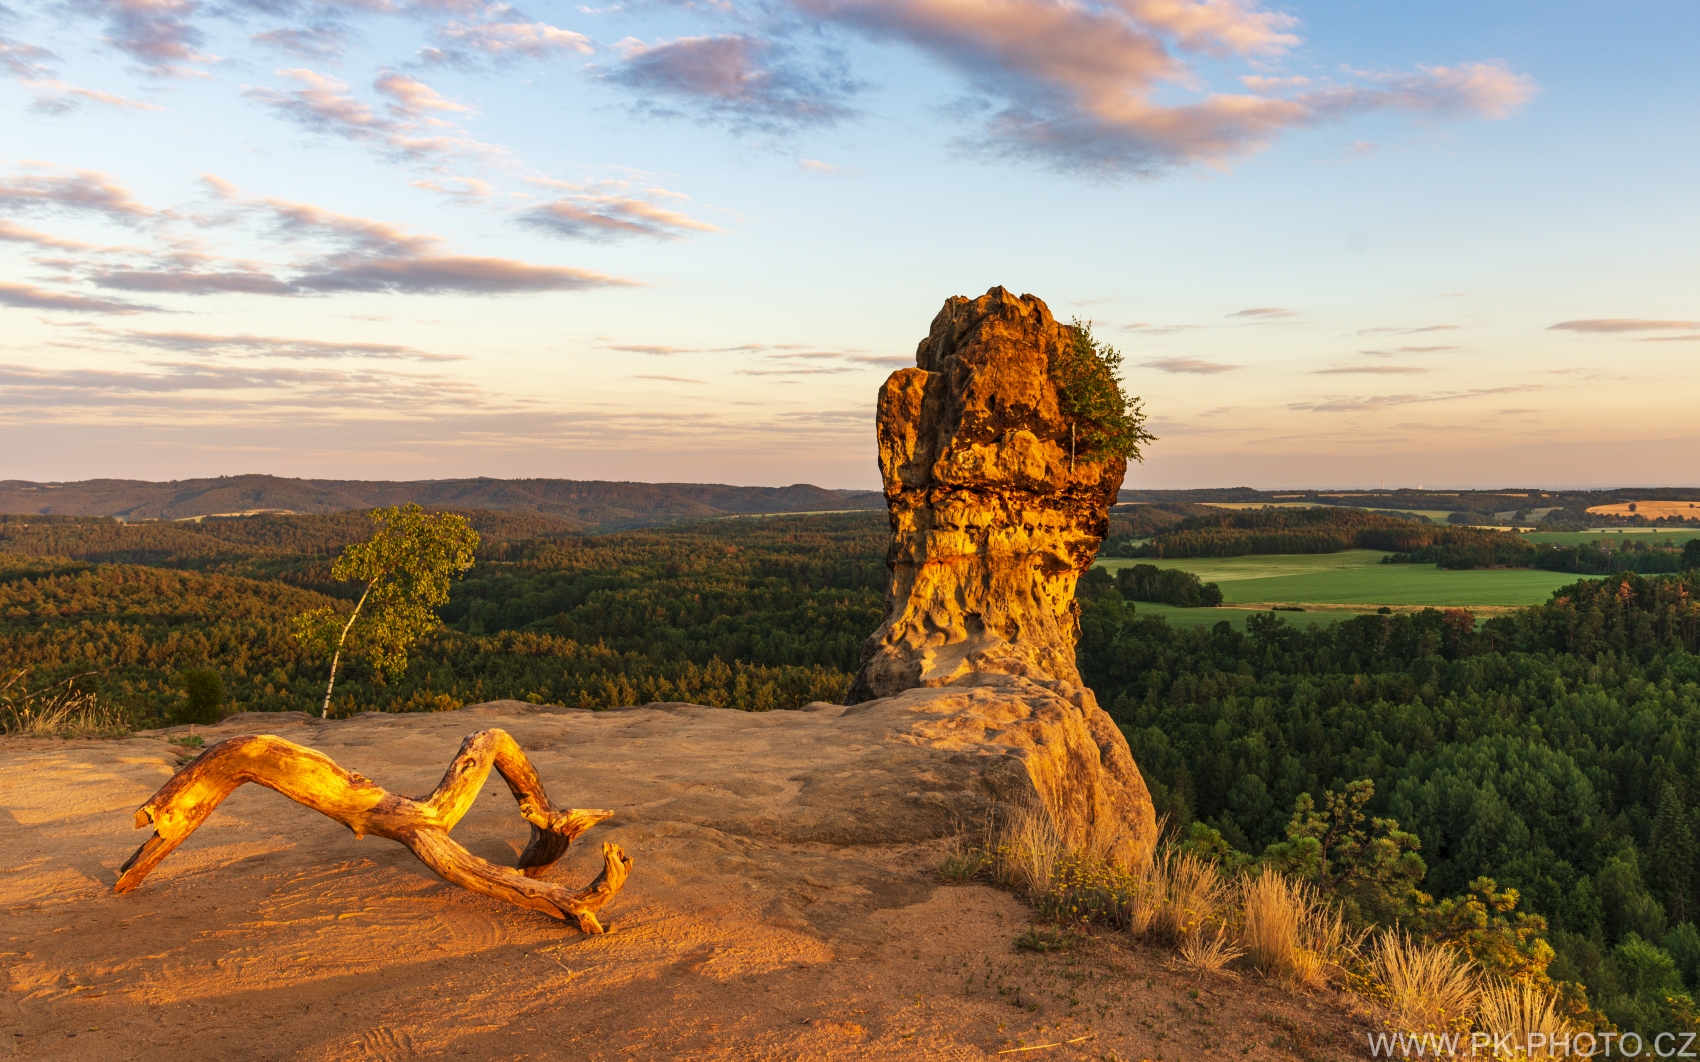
{"x": 1296, "y": 921}
{"x": 58, "y": 711}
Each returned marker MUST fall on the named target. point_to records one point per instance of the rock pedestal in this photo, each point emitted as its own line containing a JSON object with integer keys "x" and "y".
{"x": 993, "y": 520}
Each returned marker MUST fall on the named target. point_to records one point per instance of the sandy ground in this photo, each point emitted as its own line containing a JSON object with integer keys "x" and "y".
{"x": 273, "y": 933}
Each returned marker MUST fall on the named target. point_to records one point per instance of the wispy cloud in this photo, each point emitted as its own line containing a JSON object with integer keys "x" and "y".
{"x": 1077, "y": 86}
{"x": 41, "y": 189}
{"x": 671, "y": 379}
{"x": 1399, "y": 351}
{"x": 656, "y": 351}
{"x": 744, "y": 80}
{"x": 609, "y": 210}
{"x": 507, "y": 36}
{"x": 1371, "y": 370}
{"x": 15, "y": 233}
{"x": 27, "y": 297}
{"x": 796, "y": 370}
{"x": 1147, "y": 329}
{"x": 317, "y": 390}
{"x": 895, "y": 361}
{"x": 410, "y": 127}
{"x": 323, "y": 42}
{"x": 1374, "y": 403}
{"x": 155, "y": 33}
{"x": 1399, "y": 331}
{"x": 1623, "y": 324}
{"x": 276, "y": 347}
{"x": 333, "y": 252}
{"x": 1265, "y": 313}
{"x": 1196, "y": 366}
{"x": 53, "y": 95}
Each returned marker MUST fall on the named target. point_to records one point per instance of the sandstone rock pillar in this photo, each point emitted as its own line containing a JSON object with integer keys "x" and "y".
{"x": 993, "y": 520}
{"x": 990, "y": 524}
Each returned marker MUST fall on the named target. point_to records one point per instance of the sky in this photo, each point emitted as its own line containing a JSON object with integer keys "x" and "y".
{"x": 1338, "y": 244}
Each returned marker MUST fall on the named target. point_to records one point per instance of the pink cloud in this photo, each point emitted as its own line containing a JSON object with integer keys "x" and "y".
{"x": 157, "y": 33}
{"x": 609, "y": 210}
{"x": 742, "y": 78}
{"x": 25, "y": 296}
{"x": 1193, "y": 366}
{"x": 45, "y": 188}
{"x": 503, "y": 39}
{"x": 410, "y": 129}
{"x": 1078, "y": 81}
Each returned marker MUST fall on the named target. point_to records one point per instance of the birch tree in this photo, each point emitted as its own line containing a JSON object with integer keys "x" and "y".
{"x": 405, "y": 567}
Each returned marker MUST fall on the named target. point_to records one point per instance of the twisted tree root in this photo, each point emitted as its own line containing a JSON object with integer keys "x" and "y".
{"x": 311, "y": 778}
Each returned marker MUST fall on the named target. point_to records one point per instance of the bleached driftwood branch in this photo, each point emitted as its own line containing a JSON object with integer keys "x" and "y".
{"x": 313, "y": 779}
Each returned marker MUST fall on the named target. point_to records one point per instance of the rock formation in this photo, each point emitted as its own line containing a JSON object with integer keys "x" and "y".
{"x": 993, "y": 520}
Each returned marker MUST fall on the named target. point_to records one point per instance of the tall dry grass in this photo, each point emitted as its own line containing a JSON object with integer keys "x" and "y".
{"x": 1287, "y": 930}
{"x": 1430, "y": 987}
{"x": 1027, "y": 849}
{"x": 1520, "y": 1013}
{"x": 1195, "y": 896}
{"x": 56, "y": 712}
{"x": 1291, "y": 934}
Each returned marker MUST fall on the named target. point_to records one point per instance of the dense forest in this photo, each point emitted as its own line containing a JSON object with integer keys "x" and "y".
{"x": 1554, "y": 750}
{"x": 755, "y": 613}
{"x": 1238, "y": 533}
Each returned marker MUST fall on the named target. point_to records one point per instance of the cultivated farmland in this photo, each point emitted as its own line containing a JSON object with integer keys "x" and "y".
{"x": 1357, "y": 578}
{"x": 1652, "y": 510}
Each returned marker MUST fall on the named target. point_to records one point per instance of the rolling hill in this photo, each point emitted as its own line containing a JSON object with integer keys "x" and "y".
{"x": 591, "y": 504}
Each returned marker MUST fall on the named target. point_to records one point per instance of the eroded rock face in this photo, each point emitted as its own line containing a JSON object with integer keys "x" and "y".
{"x": 990, "y": 525}
{"x": 993, "y": 521}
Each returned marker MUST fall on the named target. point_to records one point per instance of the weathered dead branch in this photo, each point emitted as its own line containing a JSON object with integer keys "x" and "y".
{"x": 311, "y": 778}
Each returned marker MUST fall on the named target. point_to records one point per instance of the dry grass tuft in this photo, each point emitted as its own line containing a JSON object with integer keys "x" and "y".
{"x": 1521, "y": 1012}
{"x": 1430, "y": 987}
{"x": 1027, "y": 850}
{"x": 965, "y": 857}
{"x": 57, "y": 713}
{"x": 1210, "y": 951}
{"x": 1291, "y": 934}
{"x": 1194, "y": 896}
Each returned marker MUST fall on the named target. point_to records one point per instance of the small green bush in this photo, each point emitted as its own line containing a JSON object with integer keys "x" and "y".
{"x": 204, "y": 700}
{"x": 1105, "y": 423}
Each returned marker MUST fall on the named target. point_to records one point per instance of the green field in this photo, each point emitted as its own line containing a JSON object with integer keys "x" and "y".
{"x": 1357, "y": 577}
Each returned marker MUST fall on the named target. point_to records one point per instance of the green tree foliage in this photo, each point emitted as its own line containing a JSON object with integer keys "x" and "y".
{"x": 1536, "y": 749}
{"x": 1671, "y": 855}
{"x": 752, "y": 614}
{"x": 1238, "y": 533}
{"x": 1169, "y": 586}
{"x": 1368, "y": 865}
{"x": 404, "y": 570}
{"x": 1105, "y": 424}
{"x": 1245, "y": 532}
{"x": 204, "y": 697}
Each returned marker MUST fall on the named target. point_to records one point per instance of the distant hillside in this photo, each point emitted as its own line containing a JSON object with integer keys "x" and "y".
{"x": 591, "y": 504}
{"x": 1549, "y": 509}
